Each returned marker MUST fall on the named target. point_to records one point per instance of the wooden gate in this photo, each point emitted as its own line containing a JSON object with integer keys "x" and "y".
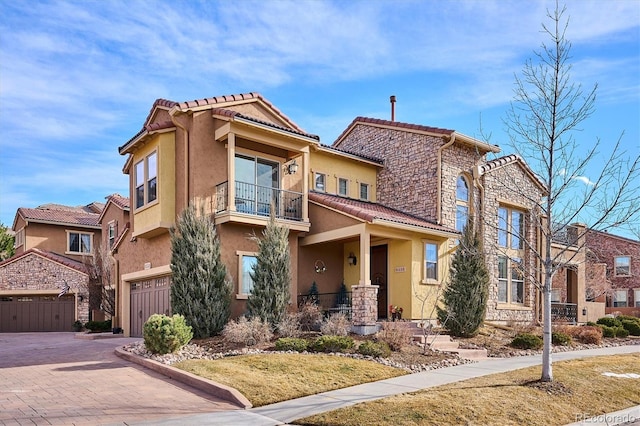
{"x": 148, "y": 297}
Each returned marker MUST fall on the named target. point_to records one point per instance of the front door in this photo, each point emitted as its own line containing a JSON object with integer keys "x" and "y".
{"x": 379, "y": 277}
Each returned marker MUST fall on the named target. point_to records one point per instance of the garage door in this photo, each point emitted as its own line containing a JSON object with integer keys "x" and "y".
{"x": 148, "y": 297}
{"x": 19, "y": 314}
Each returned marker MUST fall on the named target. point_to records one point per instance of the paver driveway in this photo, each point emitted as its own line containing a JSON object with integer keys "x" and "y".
{"x": 54, "y": 378}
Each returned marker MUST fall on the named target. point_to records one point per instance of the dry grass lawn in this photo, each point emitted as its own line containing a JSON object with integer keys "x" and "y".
{"x": 266, "y": 379}
{"x": 515, "y": 398}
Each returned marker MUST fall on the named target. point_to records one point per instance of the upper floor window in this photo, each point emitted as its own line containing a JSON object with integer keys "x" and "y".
{"x": 430, "y": 261}
{"x": 510, "y": 280}
{"x": 510, "y": 228}
{"x": 19, "y": 238}
{"x": 343, "y": 187}
{"x": 146, "y": 178}
{"x": 320, "y": 182}
{"x": 364, "y": 191}
{"x": 111, "y": 233}
{"x": 636, "y": 297}
{"x": 462, "y": 203}
{"x": 79, "y": 242}
{"x": 622, "y": 266}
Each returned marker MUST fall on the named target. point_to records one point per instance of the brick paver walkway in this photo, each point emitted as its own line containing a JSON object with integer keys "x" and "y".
{"x": 53, "y": 378}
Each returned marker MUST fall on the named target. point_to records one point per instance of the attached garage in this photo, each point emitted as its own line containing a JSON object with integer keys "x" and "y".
{"x": 19, "y": 314}
{"x": 148, "y": 297}
{"x": 29, "y": 287}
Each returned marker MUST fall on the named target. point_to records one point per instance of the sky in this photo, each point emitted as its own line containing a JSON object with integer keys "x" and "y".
{"x": 78, "y": 78}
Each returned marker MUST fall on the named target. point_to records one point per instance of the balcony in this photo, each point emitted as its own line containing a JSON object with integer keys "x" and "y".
{"x": 257, "y": 200}
{"x": 564, "y": 313}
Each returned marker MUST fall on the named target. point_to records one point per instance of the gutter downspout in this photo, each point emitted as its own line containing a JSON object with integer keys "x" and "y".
{"x": 452, "y": 139}
{"x": 185, "y": 137}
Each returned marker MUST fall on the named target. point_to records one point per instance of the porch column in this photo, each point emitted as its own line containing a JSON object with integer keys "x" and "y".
{"x": 231, "y": 167}
{"x": 365, "y": 258}
{"x": 305, "y": 185}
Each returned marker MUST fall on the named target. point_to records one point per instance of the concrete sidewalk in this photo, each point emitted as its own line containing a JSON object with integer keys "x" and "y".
{"x": 287, "y": 411}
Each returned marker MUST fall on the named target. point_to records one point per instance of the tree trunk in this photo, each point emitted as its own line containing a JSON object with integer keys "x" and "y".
{"x": 547, "y": 371}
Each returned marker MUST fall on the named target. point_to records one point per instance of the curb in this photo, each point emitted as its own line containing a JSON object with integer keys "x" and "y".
{"x": 208, "y": 386}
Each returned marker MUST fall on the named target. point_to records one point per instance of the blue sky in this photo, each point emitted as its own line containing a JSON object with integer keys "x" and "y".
{"x": 77, "y": 79}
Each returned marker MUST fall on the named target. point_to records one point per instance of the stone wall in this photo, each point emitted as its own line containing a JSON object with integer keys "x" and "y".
{"x": 364, "y": 305}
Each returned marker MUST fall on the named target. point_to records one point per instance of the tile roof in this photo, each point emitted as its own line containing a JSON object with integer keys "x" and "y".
{"x": 510, "y": 159}
{"x": 57, "y": 213}
{"x": 346, "y": 151}
{"x": 212, "y": 102}
{"x": 55, "y": 257}
{"x": 119, "y": 200}
{"x": 370, "y": 212}
{"x": 399, "y": 125}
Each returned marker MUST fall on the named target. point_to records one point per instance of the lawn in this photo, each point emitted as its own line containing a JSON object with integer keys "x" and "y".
{"x": 580, "y": 390}
{"x": 266, "y": 379}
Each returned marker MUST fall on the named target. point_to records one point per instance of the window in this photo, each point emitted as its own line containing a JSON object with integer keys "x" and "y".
{"x": 19, "y": 239}
{"x": 146, "y": 178}
{"x": 320, "y": 182}
{"x": 510, "y": 228}
{"x": 430, "y": 261}
{"x": 343, "y": 187}
{"x": 622, "y": 266}
{"x": 112, "y": 233}
{"x": 462, "y": 203}
{"x": 636, "y": 297}
{"x": 555, "y": 296}
{"x": 510, "y": 280}
{"x": 79, "y": 242}
{"x": 620, "y": 299}
{"x": 364, "y": 191}
{"x": 247, "y": 263}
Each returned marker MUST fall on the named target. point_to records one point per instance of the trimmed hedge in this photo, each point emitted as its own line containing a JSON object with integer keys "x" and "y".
{"x": 333, "y": 344}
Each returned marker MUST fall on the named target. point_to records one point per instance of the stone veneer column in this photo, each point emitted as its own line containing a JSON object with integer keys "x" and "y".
{"x": 364, "y": 302}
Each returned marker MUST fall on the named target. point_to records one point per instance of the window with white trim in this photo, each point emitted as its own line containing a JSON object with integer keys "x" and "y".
{"x": 343, "y": 187}
{"x": 364, "y": 191}
{"x": 245, "y": 282}
{"x": 510, "y": 280}
{"x": 620, "y": 299}
{"x": 79, "y": 242}
{"x": 320, "y": 182}
{"x": 636, "y": 297}
{"x": 622, "y": 266}
{"x": 111, "y": 232}
{"x": 430, "y": 261}
{"x": 462, "y": 203}
{"x": 146, "y": 179}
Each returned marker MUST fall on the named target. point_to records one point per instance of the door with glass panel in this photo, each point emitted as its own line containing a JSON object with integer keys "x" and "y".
{"x": 257, "y": 184}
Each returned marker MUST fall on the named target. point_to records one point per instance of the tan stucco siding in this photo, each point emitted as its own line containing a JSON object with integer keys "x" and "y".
{"x": 335, "y": 167}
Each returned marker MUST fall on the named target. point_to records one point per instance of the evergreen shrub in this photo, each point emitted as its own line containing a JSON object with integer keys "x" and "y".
{"x": 374, "y": 349}
{"x": 291, "y": 344}
{"x": 527, "y": 341}
{"x": 560, "y": 339}
{"x": 632, "y": 326}
{"x": 609, "y": 322}
{"x": 333, "y": 344}
{"x": 163, "y": 334}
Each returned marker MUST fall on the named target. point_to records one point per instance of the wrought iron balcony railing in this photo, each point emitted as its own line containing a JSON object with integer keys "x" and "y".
{"x": 564, "y": 312}
{"x": 258, "y": 200}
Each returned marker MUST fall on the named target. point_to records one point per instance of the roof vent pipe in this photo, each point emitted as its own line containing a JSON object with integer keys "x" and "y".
{"x": 393, "y": 107}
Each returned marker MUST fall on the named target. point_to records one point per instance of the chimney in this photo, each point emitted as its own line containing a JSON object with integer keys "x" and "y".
{"x": 393, "y": 107}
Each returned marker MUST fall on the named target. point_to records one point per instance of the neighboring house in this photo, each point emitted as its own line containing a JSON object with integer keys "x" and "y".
{"x": 619, "y": 259}
{"x": 52, "y": 243}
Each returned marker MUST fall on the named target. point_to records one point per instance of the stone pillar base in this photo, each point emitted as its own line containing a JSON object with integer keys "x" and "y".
{"x": 365, "y": 330}
{"x": 364, "y": 300}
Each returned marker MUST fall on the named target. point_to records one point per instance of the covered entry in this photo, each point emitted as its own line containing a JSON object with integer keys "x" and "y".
{"x": 148, "y": 297}
{"x": 34, "y": 313}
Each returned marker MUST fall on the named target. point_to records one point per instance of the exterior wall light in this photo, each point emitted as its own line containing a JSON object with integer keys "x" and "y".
{"x": 292, "y": 168}
{"x": 320, "y": 267}
{"x": 352, "y": 259}
{"x": 584, "y": 311}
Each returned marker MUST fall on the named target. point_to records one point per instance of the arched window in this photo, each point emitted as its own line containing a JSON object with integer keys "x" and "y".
{"x": 462, "y": 203}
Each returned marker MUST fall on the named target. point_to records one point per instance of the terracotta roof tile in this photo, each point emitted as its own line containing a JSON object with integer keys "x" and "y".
{"x": 510, "y": 159}
{"x": 230, "y": 113}
{"x": 398, "y": 124}
{"x": 346, "y": 151}
{"x": 78, "y": 216}
{"x": 58, "y": 258}
{"x": 119, "y": 200}
{"x": 369, "y": 211}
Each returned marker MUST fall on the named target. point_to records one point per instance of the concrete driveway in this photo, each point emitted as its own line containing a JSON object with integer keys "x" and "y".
{"x": 54, "y": 378}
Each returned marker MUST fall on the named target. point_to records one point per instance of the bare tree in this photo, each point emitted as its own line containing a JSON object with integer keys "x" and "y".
{"x": 100, "y": 286}
{"x": 546, "y": 111}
